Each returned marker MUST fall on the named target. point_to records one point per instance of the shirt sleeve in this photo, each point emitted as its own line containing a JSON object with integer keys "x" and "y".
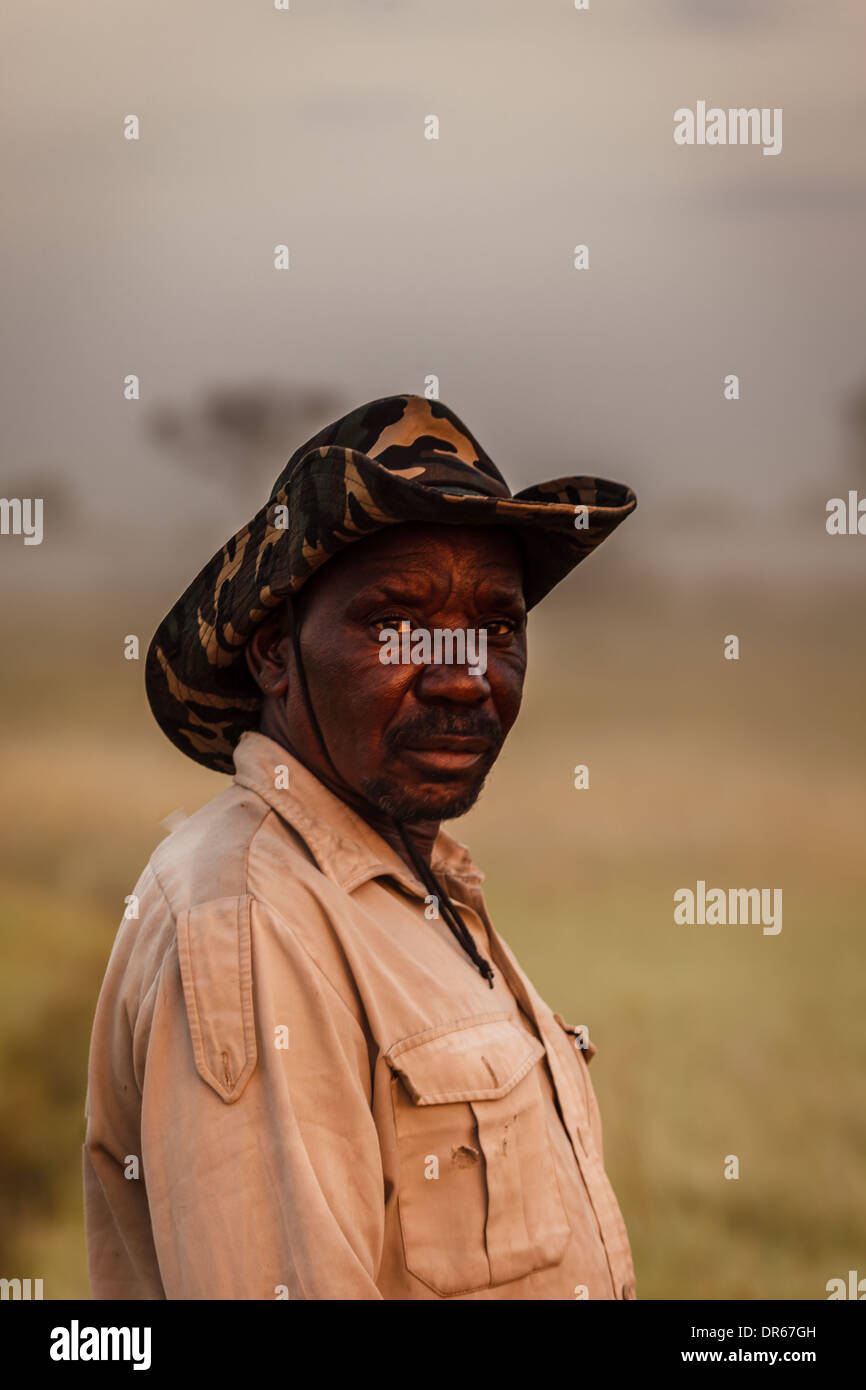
{"x": 260, "y": 1154}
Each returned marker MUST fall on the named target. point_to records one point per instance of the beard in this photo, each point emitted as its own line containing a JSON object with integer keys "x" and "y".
{"x": 401, "y": 803}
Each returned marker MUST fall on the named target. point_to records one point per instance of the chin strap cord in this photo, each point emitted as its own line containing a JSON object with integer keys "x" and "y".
{"x": 422, "y": 868}
{"x": 295, "y": 625}
{"x": 449, "y": 911}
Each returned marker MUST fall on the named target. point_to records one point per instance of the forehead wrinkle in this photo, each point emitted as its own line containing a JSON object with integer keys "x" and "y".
{"x": 406, "y": 562}
{"x": 491, "y": 576}
{"x": 415, "y": 562}
{"x": 390, "y": 586}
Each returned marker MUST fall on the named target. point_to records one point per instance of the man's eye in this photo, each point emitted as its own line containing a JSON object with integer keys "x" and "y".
{"x": 499, "y": 627}
{"x": 395, "y": 621}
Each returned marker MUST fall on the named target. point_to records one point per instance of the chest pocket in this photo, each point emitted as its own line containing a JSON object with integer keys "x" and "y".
{"x": 479, "y": 1199}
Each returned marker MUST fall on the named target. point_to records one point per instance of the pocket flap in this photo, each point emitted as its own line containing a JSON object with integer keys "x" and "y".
{"x": 479, "y": 1058}
{"x": 214, "y": 952}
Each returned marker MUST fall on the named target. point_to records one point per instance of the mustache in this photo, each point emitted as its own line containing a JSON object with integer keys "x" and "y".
{"x": 432, "y": 723}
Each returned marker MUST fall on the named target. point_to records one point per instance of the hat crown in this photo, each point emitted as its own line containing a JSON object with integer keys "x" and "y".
{"x": 413, "y": 437}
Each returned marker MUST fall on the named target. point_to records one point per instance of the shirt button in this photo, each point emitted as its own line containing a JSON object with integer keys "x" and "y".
{"x": 628, "y": 1291}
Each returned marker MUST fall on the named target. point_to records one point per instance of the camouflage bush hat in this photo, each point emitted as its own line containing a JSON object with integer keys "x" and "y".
{"x": 398, "y": 459}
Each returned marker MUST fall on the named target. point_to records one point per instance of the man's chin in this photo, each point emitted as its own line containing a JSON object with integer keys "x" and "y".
{"x": 429, "y": 801}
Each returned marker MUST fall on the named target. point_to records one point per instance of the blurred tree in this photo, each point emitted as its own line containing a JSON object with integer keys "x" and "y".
{"x": 242, "y": 435}
{"x": 61, "y": 503}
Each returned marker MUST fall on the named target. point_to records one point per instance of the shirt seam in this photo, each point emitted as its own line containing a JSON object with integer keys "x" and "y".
{"x": 158, "y": 881}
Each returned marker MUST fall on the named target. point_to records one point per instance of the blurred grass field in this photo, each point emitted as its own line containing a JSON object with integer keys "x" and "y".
{"x": 712, "y": 1040}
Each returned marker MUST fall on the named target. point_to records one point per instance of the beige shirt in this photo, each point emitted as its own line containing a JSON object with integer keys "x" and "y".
{"x": 301, "y": 1087}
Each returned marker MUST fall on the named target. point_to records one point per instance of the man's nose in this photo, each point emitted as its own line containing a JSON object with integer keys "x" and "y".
{"x": 452, "y": 681}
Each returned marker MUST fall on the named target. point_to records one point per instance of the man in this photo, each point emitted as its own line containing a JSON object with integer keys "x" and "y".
{"x": 316, "y": 1070}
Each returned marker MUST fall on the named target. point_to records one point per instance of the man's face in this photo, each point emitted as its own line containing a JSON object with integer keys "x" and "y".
{"x": 416, "y": 740}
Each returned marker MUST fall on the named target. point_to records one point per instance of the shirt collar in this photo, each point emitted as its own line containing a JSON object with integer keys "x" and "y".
{"x": 345, "y": 847}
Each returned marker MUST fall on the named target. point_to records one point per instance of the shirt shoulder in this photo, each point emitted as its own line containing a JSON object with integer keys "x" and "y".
{"x": 207, "y": 856}
{"x": 239, "y": 848}
{"x": 201, "y": 871}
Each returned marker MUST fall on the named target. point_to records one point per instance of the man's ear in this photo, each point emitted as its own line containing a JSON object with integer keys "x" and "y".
{"x": 267, "y": 653}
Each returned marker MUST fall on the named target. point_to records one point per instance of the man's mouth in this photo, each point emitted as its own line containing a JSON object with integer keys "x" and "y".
{"x": 446, "y": 752}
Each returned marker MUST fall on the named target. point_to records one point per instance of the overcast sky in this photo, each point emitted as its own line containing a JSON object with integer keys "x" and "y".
{"x": 452, "y": 257}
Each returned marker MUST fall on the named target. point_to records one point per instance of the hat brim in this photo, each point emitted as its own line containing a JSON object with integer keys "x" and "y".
{"x": 197, "y": 680}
